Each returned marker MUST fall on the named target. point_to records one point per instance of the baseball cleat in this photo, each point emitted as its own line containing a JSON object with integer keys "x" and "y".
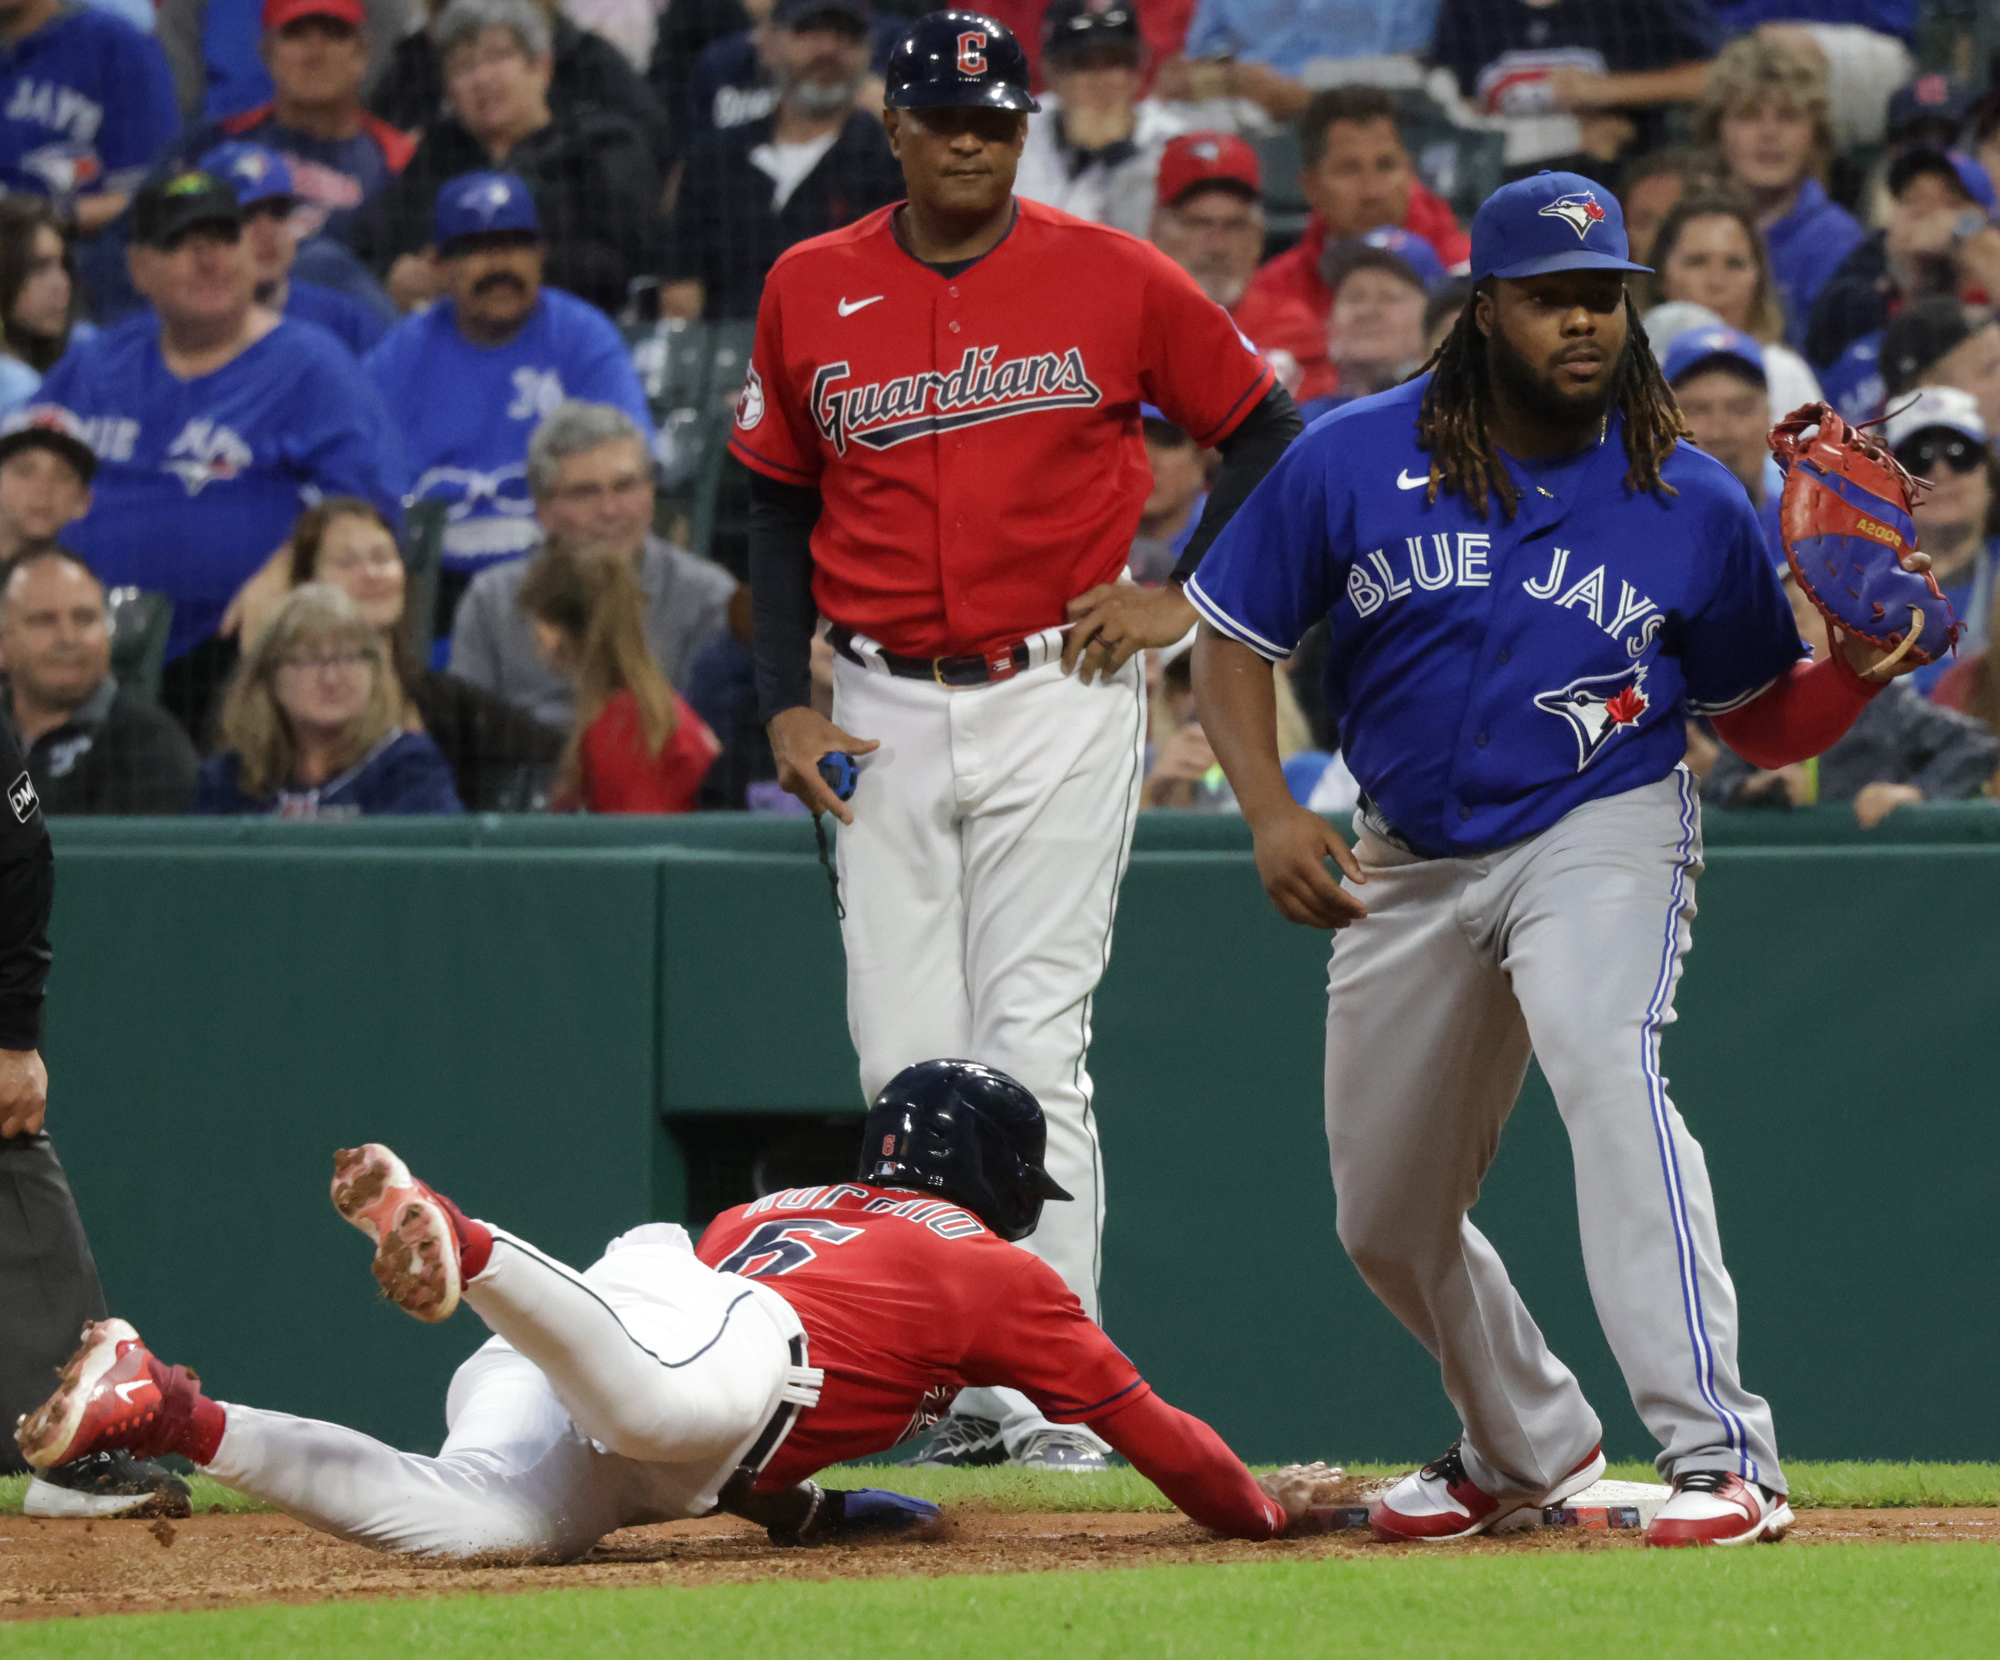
{"x": 109, "y": 1395}
{"x": 1441, "y": 1501}
{"x": 416, "y": 1251}
{"x": 1060, "y": 1449}
{"x": 961, "y": 1441}
{"x": 1716, "y": 1507}
{"x": 107, "y": 1484}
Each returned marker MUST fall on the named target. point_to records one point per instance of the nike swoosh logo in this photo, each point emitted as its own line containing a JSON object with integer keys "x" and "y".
{"x": 1405, "y": 482}
{"x": 124, "y": 1390}
{"x": 849, "y": 308}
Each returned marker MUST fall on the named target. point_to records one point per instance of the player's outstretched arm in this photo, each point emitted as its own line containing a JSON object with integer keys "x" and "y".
{"x": 1239, "y": 713}
{"x": 1193, "y": 1466}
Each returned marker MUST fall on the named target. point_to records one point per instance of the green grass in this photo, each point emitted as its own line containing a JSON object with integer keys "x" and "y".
{"x": 1814, "y": 1486}
{"x": 1782, "y": 1604}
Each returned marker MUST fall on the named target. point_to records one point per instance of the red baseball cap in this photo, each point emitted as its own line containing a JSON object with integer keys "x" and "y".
{"x": 1203, "y": 158}
{"x": 277, "y": 13}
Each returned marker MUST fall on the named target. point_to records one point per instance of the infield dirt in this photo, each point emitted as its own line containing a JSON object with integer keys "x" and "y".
{"x": 62, "y": 1569}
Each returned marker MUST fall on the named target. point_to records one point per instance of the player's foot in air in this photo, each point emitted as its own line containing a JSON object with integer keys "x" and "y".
{"x": 960, "y": 1441}
{"x": 1716, "y": 1507}
{"x": 107, "y": 1484}
{"x": 1441, "y": 1501}
{"x": 1060, "y": 1449}
{"x": 417, "y": 1231}
{"x": 114, "y": 1394}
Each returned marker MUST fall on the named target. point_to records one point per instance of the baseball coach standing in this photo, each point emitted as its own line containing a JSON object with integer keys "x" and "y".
{"x": 942, "y": 420}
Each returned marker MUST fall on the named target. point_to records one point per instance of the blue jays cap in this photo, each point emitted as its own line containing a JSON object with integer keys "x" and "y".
{"x": 1691, "y": 348}
{"x": 477, "y": 204}
{"x": 1551, "y": 222}
{"x": 256, "y": 173}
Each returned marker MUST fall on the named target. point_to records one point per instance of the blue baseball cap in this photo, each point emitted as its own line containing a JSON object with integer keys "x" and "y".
{"x": 256, "y": 173}
{"x": 1691, "y": 348}
{"x": 1411, "y": 249}
{"x": 1551, "y": 222}
{"x": 477, "y": 204}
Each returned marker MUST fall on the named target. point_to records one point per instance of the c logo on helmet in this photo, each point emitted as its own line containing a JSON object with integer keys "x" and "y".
{"x": 972, "y": 52}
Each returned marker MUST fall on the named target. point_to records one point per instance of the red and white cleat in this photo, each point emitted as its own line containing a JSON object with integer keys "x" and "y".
{"x": 416, "y": 1251}
{"x": 1716, "y": 1507}
{"x": 1441, "y": 1501}
{"x": 109, "y": 1396}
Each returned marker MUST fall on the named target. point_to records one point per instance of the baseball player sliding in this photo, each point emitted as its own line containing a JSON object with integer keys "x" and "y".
{"x": 814, "y": 1326}
{"x": 1531, "y": 582}
{"x": 942, "y": 423}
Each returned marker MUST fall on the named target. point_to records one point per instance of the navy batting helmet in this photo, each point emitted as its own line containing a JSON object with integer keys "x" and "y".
{"x": 958, "y": 58}
{"x": 966, "y": 1132}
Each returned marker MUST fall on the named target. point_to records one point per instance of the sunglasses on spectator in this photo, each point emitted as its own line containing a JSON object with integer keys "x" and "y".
{"x": 588, "y": 495}
{"x": 1924, "y": 450}
{"x": 342, "y": 660}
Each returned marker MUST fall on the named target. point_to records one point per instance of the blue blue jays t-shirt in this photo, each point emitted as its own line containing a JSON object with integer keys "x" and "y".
{"x": 86, "y": 103}
{"x": 1489, "y": 676}
{"x": 199, "y": 481}
{"x": 470, "y": 447}
{"x": 358, "y": 327}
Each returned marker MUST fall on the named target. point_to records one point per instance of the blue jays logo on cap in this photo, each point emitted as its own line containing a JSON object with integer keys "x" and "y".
{"x": 1692, "y": 348}
{"x": 1525, "y": 229}
{"x": 474, "y": 204}
{"x": 256, "y": 173}
{"x": 1579, "y": 210}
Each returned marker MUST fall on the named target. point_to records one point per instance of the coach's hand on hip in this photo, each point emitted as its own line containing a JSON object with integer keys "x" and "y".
{"x": 24, "y": 1092}
{"x": 799, "y": 737}
{"x": 1113, "y": 620}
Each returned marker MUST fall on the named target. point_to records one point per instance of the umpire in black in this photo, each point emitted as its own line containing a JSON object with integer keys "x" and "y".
{"x": 48, "y": 1281}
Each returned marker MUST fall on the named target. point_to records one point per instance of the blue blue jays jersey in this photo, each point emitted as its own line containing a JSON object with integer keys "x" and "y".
{"x": 199, "y": 481}
{"x": 1489, "y": 676}
{"x": 471, "y": 449}
{"x": 86, "y": 103}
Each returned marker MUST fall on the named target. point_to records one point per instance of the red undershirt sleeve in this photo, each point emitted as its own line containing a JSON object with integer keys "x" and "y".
{"x": 1190, "y": 1463}
{"x": 1802, "y": 713}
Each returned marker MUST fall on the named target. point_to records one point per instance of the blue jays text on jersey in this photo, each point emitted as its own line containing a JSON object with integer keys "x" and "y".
{"x": 199, "y": 481}
{"x": 86, "y": 103}
{"x": 470, "y": 450}
{"x": 1490, "y": 675}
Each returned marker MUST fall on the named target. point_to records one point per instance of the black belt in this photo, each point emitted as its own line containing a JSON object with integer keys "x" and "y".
{"x": 780, "y": 1425}
{"x": 945, "y": 671}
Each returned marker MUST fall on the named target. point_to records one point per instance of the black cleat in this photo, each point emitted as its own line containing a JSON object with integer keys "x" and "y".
{"x": 961, "y": 1442}
{"x": 108, "y": 1484}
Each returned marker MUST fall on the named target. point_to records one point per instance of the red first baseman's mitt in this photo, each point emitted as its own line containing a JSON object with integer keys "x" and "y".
{"x": 1845, "y": 519}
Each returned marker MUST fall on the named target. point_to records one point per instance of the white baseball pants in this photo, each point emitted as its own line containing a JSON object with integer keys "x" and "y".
{"x": 1569, "y": 945}
{"x": 626, "y": 1394}
{"x": 980, "y": 877}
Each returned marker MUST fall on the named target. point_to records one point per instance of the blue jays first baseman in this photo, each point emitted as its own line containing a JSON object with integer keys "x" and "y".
{"x": 1531, "y": 582}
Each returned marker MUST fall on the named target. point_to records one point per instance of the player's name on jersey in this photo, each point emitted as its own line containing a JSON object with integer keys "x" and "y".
{"x": 883, "y": 413}
{"x": 1428, "y": 564}
{"x": 945, "y": 1220}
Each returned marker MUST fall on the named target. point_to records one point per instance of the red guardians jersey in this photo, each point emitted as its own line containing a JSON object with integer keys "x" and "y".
{"x": 976, "y": 438}
{"x": 905, "y": 1300}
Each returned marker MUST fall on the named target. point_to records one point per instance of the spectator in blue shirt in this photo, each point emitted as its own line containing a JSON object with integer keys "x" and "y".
{"x": 1767, "y": 111}
{"x": 270, "y": 203}
{"x": 314, "y": 727}
{"x": 1260, "y": 49}
{"x": 469, "y": 379}
{"x": 339, "y": 155}
{"x": 212, "y": 417}
{"x": 86, "y": 103}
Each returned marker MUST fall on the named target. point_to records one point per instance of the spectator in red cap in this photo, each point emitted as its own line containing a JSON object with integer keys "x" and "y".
{"x": 1358, "y": 178}
{"x": 1209, "y": 220}
{"x": 339, "y": 155}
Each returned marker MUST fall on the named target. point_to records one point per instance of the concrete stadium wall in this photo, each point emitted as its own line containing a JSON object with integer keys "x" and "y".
{"x": 515, "y": 1004}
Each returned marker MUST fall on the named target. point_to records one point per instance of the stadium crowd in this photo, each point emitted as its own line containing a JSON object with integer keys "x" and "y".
{"x": 359, "y": 360}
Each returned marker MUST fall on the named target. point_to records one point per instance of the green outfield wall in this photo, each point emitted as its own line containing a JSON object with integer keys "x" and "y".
{"x": 525, "y": 1007}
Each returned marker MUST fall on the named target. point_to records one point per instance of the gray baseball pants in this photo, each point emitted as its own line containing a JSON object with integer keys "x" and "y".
{"x": 1569, "y": 946}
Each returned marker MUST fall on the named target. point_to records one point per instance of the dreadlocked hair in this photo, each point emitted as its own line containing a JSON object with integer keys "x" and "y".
{"x": 1457, "y": 407}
